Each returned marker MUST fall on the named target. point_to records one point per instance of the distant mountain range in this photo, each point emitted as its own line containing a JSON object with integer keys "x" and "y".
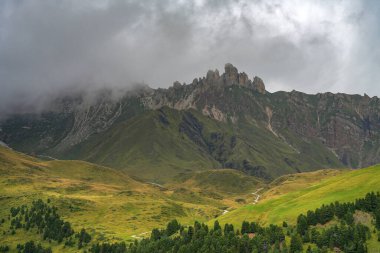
{"x": 218, "y": 121}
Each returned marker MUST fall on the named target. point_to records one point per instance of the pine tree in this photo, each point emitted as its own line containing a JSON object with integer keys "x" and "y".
{"x": 172, "y": 227}
{"x": 296, "y": 244}
{"x": 217, "y": 226}
{"x": 349, "y": 218}
{"x": 245, "y": 227}
{"x": 377, "y": 218}
{"x": 302, "y": 224}
{"x": 155, "y": 235}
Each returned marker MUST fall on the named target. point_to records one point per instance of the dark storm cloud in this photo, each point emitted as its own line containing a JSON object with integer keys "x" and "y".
{"x": 312, "y": 46}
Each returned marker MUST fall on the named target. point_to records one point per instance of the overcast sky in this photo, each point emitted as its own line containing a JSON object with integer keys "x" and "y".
{"x": 311, "y": 46}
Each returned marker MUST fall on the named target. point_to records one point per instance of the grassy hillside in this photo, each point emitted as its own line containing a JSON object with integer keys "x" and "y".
{"x": 148, "y": 146}
{"x": 230, "y": 187}
{"x": 158, "y": 145}
{"x": 86, "y": 192}
{"x": 292, "y": 195}
{"x": 224, "y": 181}
{"x": 107, "y": 202}
{"x": 113, "y": 206}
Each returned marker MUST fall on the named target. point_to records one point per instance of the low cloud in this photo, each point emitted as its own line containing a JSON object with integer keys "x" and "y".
{"x": 311, "y": 46}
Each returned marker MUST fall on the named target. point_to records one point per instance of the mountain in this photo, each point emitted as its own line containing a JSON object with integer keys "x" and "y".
{"x": 218, "y": 121}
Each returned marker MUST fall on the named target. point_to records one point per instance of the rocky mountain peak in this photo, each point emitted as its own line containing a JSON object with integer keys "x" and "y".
{"x": 176, "y": 84}
{"x": 212, "y": 76}
{"x": 231, "y": 74}
{"x": 258, "y": 85}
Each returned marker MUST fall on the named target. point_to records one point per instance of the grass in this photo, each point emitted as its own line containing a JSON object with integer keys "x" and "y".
{"x": 107, "y": 202}
{"x": 293, "y": 195}
{"x": 225, "y": 181}
{"x": 113, "y": 206}
{"x": 159, "y": 150}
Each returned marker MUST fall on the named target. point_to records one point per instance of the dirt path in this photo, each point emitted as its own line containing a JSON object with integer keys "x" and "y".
{"x": 157, "y": 185}
{"x": 46, "y": 156}
{"x": 257, "y": 198}
{"x": 256, "y": 193}
{"x": 138, "y": 237}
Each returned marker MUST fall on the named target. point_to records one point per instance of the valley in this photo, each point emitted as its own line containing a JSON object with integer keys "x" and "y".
{"x": 114, "y": 207}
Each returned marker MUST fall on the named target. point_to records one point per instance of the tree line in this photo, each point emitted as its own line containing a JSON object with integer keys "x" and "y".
{"x": 328, "y": 228}
{"x": 44, "y": 219}
{"x": 344, "y": 235}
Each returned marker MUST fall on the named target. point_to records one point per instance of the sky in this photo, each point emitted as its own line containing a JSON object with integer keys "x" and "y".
{"x": 311, "y": 46}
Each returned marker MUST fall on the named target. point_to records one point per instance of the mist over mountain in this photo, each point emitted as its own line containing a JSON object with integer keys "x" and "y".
{"x": 221, "y": 120}
{"x": 48, "y": 47}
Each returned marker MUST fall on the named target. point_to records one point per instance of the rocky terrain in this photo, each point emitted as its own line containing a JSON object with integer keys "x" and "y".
{"x": 218, "y": 121}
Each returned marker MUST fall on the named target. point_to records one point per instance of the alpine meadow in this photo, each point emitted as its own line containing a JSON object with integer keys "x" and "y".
{"x": 200, "y": 126}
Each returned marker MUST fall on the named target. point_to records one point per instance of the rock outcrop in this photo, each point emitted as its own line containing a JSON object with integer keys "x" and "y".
{"x": 230, "y": 77}
{"x": 258, "y": 85}
{"x": 231, "y": 74}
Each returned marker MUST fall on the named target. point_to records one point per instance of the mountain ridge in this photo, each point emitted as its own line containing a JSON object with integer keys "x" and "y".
{"x": 228, "y": 119}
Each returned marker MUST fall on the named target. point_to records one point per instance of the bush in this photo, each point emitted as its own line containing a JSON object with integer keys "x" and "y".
{"x": 4, "y": 248}
{"x": 31, "y": 247}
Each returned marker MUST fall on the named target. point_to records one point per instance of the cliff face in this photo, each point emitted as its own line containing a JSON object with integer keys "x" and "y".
{"x": 229, "y": 119}
{"x": 349, "y": 125}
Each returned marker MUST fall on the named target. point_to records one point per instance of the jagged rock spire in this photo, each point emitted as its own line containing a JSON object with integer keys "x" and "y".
{"x": 258, "y": 85}
{"x": 231, "y": 76}
{"x": 212, "y": 75}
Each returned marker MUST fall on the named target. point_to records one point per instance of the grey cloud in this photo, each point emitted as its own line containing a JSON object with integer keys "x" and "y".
{"x": 312, "y": 46}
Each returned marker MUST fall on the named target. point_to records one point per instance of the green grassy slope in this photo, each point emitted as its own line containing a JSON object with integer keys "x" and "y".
{"x": 223, "y": 181}
{"x": 149, "y": 146}
{"x": 158, "y": 145}
{"x": 112, "y": 206}
{"x": 261, "y": 148}
{"x": 86, "y": 192}
{"x": 106, "y": 201}
{"x": 293, "y": 195}
{"x": 230, "y": 187}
